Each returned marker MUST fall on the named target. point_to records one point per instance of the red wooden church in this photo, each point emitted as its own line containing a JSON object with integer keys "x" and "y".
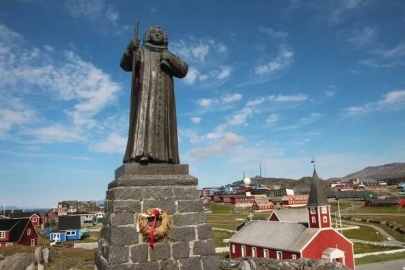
{"x": 315, "y": 239}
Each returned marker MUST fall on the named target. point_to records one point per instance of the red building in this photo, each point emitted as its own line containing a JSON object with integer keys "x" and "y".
{"x": 387, "y": 202}
{"x": 315, "y": 239}
{"x": 35, "y": 218}
{"x": 262, "y": 204}
{"x": 17, "y": 232}
{"x": 296, "y": 215}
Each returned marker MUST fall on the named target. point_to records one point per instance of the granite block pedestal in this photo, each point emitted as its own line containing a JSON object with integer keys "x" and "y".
{"x": 136, "y": 188}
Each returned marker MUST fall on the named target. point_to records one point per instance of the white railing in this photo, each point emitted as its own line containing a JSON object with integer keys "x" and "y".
{"x": 379, "y": 253}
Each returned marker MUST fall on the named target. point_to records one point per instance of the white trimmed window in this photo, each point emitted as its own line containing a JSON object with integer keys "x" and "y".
{"x": 312, "y": 210}
{"x": 313, "y": 219}
{"x": 294, "y": 257}
{"x": 279, "y": 255}
{"x": 325, "y": 219}
{"x": 243, "y": 251}
{"x": 324, "y": 209}
{"x": 29, "y": 231}
{"x": 2, "y": 234}
{"x": 254, "y": 252}
{"x": 34, "y": 219}
{"x": 265, "y": 253}
{"x": 233, "y": 248}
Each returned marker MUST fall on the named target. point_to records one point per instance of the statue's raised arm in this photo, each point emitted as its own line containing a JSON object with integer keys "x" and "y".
{"x": 152, "y": 135}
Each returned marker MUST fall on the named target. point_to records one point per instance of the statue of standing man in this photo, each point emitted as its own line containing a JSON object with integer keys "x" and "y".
{"x": 152, "y": 135}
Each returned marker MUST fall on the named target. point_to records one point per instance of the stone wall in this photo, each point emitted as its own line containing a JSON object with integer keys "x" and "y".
{"x": 189, "y": 243}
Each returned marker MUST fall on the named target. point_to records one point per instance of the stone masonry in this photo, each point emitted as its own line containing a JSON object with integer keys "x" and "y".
{"x": 136, "y": 188}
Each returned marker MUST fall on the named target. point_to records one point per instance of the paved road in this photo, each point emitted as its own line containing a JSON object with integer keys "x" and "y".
{"x": 390, "y": 265}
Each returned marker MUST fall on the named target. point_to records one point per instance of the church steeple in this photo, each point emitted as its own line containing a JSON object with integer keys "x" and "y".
{"x": 317, "y": 194}
{"x": 318, "y": 206}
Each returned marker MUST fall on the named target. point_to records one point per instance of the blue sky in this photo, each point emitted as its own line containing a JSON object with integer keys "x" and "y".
{"x": 270, "y": 82}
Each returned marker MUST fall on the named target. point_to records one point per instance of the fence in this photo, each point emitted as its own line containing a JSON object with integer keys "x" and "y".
{"x": 378, "y": 253}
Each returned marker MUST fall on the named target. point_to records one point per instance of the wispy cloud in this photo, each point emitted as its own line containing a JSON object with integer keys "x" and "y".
{"x": 363, "y": 36}
{"x": 202, "y": 54}
{"x": 281, "y": 61}
{"x": 313, "y": 117}
{"x": 394, "y": 100}
{"x": 277, "y": 98}
{"x": 196, "y": 120}
{"x": 330, "y": 90}
{"x": 228, "y": 98}
{"x": 80, "y": 89}
{"x": 340, "y": 10}
{"x": 273, "y": 118}
{"x": 221, "y": 146}
{"x": 40, "y": 155}
{"x": 388, "y": 58}
{"x": 273, "y": 33}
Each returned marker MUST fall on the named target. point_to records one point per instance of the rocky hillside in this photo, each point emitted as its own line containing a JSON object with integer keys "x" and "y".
{"x": 300, "y": 186}
{"x": 387, "y": 171}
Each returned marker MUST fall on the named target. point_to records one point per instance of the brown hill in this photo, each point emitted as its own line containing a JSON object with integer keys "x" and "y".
{"x": 373, "y": 173}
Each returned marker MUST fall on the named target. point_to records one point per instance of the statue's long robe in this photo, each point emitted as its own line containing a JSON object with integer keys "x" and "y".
{"x": 152, "y": 124}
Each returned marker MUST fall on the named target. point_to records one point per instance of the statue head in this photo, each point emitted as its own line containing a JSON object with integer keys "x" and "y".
{"x": 156, "y": 35}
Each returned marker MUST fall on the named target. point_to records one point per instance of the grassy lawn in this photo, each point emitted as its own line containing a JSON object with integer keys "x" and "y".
{"x": 364, "y": 233}
{"x": 363, "y": 248}
{"x": 377, "y": 210}
{"x": 398, "y": 219}
{"x": 380, "y": 258}
{"x": 230, "y": 221}
{"x": 219, "y": 236}
{"x": 343, "y": 205}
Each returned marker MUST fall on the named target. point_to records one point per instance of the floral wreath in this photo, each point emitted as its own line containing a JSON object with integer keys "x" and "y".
{"x": 153, "y": 232}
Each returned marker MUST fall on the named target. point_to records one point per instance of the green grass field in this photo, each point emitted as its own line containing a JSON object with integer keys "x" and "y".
{"x": 398, "y": 219}
{"x": 377, "y": 210}
{"x": 343, "y": 205}
{"x": 380, "y": 258}
{"x": 363, "y": 248}
{"x": 364, "y": 233}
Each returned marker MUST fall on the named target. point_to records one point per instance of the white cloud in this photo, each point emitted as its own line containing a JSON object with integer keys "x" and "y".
{"x": 340, "y": 10}
{"x": 394, "y": 100}
{"x": 231, "y": 97}
{"x": 205, "y": 102}
{"x": 196, "y": 50}
{"x": 191, "y": 76}
{"x": 220, "y": 146}
{"x": 227, "y": 98}
{"x": 14, "y": 113}
{"x": 330, "y": 90}
{"x": 277, "y": 98}
{"x": 273, "y": 118}
{"x": 54, "y": 133}
{"x": 114, "y": 143}
{"x": 397, "y": 51}
{"x": 273, "y": 33}
{"x": 313, "y": 117}
{"x": 203, "y": 54}
{"x": 196, "y": 120}
{"x": 363, "y": 36}
{"x": 41, "y": 155}
{"x": 77, "y": 87}
{"x": 92, "y": 10}
{"x": 281, "y": 61}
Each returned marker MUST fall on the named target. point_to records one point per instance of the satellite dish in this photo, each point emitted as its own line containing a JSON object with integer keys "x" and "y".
{"x": 247, "y": 181}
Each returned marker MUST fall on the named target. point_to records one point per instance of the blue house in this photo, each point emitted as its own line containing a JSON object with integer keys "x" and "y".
{"x": 69, "y": 228}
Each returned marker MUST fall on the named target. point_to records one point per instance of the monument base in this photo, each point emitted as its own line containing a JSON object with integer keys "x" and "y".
{"x": 136, "y": 188}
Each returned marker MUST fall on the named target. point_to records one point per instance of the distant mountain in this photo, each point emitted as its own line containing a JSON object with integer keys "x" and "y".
{"x": 300, "y": 186}
{"x": 387, "y": 171}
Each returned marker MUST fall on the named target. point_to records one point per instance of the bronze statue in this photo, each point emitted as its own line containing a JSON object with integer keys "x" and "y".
{"x": 152, "y": 135}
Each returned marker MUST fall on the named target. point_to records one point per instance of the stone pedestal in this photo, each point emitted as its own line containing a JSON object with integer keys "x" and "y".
{"x": 136, "y": 188}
